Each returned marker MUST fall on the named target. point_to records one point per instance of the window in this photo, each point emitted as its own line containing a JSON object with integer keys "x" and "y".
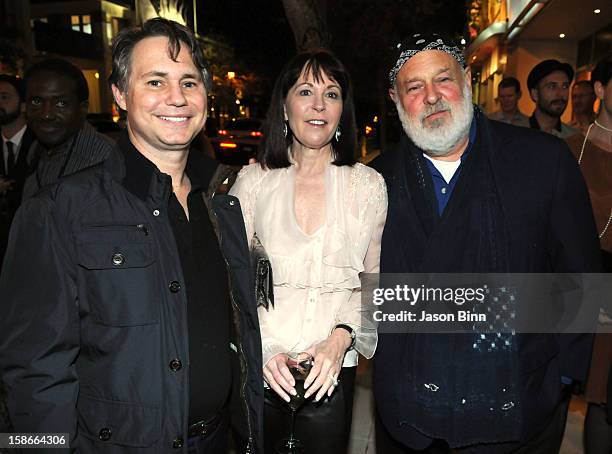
{"x": 81, "y": 23}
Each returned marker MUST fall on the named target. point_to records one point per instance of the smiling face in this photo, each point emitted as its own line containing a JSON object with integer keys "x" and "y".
{"x": 165, "y": 99}
{"x": 432, "y": 96}
{"x": 53, "y": 109}
{"x": 313, "y": 109}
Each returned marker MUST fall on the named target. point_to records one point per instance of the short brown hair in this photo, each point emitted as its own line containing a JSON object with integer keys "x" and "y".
{"x": 177, "y": 34}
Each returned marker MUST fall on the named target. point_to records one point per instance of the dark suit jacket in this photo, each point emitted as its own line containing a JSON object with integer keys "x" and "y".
{"x": 23, "y": 167}
{"x": 550, "y": 229}
{"x": 10, "y": 201}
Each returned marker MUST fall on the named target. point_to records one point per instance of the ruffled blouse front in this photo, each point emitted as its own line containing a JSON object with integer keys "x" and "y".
{"x": 316, "y": 277}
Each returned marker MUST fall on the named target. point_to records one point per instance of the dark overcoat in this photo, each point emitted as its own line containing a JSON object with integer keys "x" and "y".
{"x": 525, "y": 197}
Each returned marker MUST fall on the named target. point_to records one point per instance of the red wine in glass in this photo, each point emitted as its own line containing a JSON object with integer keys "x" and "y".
{"x": 299, "y": 375}
{"x": 299, "y": 365}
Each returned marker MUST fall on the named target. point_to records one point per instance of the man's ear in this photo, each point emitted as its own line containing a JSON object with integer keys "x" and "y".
{"x": 467, "y": 73}
{"x": 533, "y": 93}
{"x": 119, "y": 97}
{"x": 393, "y": 95}
{"x": 599, "y": 90}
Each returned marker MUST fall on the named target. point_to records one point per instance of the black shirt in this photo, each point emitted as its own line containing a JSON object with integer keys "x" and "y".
{"x": 205, "y": 284}
{"x": 208, "y": 308}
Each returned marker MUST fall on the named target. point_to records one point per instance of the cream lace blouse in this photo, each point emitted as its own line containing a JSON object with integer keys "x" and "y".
{"x": 316, "y": 277}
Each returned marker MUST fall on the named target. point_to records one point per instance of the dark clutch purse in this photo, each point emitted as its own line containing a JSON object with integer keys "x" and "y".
{"x": 264, "y": 291}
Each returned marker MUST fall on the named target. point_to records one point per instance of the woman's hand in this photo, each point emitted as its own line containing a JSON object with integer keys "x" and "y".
{"x": 328, "y": 356}
{"x": 277, "y": 375}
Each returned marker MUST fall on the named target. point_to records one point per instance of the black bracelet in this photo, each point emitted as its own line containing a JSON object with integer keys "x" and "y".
{"x": 351, "y": 332}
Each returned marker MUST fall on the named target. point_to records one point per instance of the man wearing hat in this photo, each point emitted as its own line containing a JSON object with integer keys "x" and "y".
{"x": 469, "y": 195}
{"x": 548, "y": 84}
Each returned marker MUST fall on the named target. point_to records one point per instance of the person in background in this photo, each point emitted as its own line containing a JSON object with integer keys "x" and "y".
{"x": 16, "y": 141}
{"x": 508, "y": 95}
{"x": 319, "y": 215}
{"x": 583, "y": 98}
{"x": 56, "y": 109}
{"x": 548, "y": 84}
{"x": 593, "y": 150}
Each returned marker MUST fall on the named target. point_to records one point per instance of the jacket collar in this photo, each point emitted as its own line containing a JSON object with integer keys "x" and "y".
{"x": 533, "y": 123}
{"x": 143, "y": 179}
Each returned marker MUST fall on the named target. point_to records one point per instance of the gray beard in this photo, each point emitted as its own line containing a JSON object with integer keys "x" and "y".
{"x": 439, "y": 139}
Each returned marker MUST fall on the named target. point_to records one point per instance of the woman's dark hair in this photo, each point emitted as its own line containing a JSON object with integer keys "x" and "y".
{"x": 177, "y": 34}
{"x": 603, "y": 71}
{"x": 273, "y": 149}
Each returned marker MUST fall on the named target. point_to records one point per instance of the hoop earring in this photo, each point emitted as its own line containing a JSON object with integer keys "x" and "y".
{"x": 338, "y": 134}
{"x": 285, "y": 128}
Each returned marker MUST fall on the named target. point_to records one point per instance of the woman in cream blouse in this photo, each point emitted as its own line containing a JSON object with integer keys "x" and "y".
{"x": 320, "y": 217}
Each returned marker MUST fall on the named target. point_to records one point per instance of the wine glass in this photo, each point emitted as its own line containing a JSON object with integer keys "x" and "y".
{"x": 299, "y": 364}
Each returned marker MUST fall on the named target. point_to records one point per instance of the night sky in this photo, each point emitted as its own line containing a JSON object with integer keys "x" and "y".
{"x": 257, "y": 29}
{"x": 363, "y": 32}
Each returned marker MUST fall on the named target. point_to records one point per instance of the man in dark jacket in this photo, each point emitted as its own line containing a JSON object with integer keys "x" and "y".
{"x": 16, "y": 141}
{"x": 129, "y": 320}
{"x": 57, "y": 100}
{"x": 469, "y": 195}
{"x": 16, "y": 138}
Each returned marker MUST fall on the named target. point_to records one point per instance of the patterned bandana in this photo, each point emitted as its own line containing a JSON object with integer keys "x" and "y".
{"x": 420, "y": 42}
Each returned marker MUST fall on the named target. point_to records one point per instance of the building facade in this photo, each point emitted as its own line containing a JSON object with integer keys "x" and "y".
{"x": 509, "y": 37}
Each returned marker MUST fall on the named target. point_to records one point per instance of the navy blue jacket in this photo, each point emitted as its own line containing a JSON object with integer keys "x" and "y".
{"x": 548, "y": 227}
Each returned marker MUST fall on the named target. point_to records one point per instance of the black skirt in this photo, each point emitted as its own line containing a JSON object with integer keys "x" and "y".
{"x": 323, "y": 427}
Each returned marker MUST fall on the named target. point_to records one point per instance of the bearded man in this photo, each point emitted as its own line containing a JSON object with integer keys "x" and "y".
{"x": 469, "y": 195}
{"x": 548, "y": 84}
{"x": 16, "y": 141}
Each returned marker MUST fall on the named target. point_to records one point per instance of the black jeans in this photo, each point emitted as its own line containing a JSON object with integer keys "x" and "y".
{"x": 323, "y": 427}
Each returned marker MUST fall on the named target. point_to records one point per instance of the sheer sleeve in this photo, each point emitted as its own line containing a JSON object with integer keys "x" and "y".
{"x": 246, "y": 188}
{"x": 355, "y": 313}
{"x": 270, "y": 346}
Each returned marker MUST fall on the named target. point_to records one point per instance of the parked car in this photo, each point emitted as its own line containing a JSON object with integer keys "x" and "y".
{"x": 237, "y": 141}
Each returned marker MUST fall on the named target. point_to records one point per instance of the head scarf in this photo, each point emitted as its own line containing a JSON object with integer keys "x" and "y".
{"x": 420, "y": 42}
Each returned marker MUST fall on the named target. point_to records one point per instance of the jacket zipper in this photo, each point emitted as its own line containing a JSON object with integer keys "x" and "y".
{"x": 119, "y": 227}
{"x": 245, "y": 371}
{"x": 244, "y": 364}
